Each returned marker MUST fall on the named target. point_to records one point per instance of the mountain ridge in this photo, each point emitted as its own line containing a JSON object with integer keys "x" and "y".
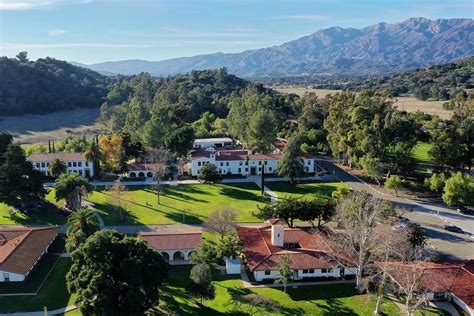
{"x": 373, "y": 50}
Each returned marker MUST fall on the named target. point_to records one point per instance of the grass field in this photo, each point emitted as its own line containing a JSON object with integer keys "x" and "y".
{"x": 307, "y": 300}
{"x": 307, "y": 190}
{"x": 405, "y": 103}
{"x": 48, "y": 215}
{"x": 420, "y": 152}
{"x": 35, "y": 128}
{"x": 53, "y": 294}
{"x": 195, "y": 202}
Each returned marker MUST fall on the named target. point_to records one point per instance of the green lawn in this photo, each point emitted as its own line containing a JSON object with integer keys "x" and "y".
{"x": 53, "y": 294}
{"x": 195, "y": 202}
{"x": 308, "y": 190}
{"x": 47, "y": 215}
{"x": 420, "y": 152}
{"x": 307, "y": 300}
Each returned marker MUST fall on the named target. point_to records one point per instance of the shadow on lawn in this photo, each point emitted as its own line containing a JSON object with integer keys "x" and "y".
{"x": 335, "y": 307}
{"x": 180, "y": 195}
{"x": 322, "y": 190}
{"x": 240, "y": 194}
{"x": 185, "y": 217}
{"x": 48, "y": 214}
{"x": 111, "y": 215}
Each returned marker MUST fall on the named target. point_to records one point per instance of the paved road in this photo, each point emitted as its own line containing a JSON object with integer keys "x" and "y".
{"x": 429, "y": 213}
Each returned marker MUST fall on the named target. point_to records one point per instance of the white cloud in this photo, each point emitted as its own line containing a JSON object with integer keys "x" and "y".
{"x": 56, "y": 32}
{"x": 35, "y": 4}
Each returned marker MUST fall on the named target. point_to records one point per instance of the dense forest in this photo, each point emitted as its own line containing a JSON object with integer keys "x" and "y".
{"x": 47, "y": 85}
{"x": 439, "y": 82}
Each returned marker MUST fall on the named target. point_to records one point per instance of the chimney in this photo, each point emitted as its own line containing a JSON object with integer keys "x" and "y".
{"x": 277, "y": 235}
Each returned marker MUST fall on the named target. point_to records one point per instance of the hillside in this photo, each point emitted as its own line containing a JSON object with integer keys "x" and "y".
{"x": 439, "y": 82}
{"x": 47, "y": 85}
{"x": 375, "y": 50}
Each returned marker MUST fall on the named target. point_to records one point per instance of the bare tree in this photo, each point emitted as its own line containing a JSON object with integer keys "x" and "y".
{"x": 357, "y": 216}
{"x": 115, "y": 192}
{"x": 251, "y": 304}
{"x": 222, "y": 221}
{"x": 410, "y": 279}
{"x": 158, "y": 163}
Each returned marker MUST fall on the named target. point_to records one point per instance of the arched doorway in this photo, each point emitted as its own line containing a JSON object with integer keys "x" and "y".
{"x": 141, "y": 174}
{"x": 178, "y": 255}
{"x": 190, "y": 255}
{"x": 133, "y": 175}
{"x": 149, "y": 174}
{"x": 165, "y": 256}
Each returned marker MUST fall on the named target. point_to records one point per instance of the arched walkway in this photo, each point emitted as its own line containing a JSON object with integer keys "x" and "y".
{"x": 178, "y": 255}
{"x": 190, "y": 255}
{"x": 165, "y": 255}
{"x": 149, "y": 174}
{"x": 133, "y": 175}
{"x": 141, "y": 174}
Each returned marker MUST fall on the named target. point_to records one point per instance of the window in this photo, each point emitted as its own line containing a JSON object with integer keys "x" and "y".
{"x": 220, "y": 171}
{"x": 69, "y": 164}
{"x": 47, "y": 164}
{"x": 268, "y": 272}
{"x": 6, "y": 276}
{"x": 324, "y": 270}
{"x": 311, "y": 271}
{"x": 43, "y": 164}
{"x": 309, "y": 162}
{"x": 79, "y": 164}
{"x": 269, "y": 168}
{"x": 240, "y": 163}
{"x": 80, "y": 172}
{"x": 246, "y": 169}
{"x": 305, "y": 271}
{"x": 240, "y": 170}
{"x": 199, "y": 164}
{"x": 259, "y": 169}
{"x": 74, "y": 164}
{"x": 87, "y": 164}
{"x": 227, "y": 164}
{"x": 38, "y": 165}
{"x": 259, "y": 163}
{"x": 221, "y": 164}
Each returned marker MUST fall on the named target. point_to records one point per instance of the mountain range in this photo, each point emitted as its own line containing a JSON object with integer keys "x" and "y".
{"x": 374, "y": 50}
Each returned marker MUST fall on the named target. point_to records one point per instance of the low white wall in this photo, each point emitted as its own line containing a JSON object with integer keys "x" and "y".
{"x": 299, "y": 275}
{"x": 462, "y": 305}
{"x": 12, "y": 276}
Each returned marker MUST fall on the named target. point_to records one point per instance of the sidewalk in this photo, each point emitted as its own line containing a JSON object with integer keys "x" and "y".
{"x": 41, "y": 313}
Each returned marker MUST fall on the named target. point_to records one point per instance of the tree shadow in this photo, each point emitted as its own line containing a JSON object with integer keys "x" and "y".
{"x": 240, "y": 194}
{"x": 335, "y": 307}
{"x": 47, "y": 214}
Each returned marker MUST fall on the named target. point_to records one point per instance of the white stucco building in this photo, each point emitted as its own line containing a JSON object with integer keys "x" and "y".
{"x": 242, "y": 162}
{"x": 76, "y": 163}
{"x": 311, "y": 254}
{"x": 21, "y": 249}
{"x": 176, "y": 246}
{"x": 221, "y": 142}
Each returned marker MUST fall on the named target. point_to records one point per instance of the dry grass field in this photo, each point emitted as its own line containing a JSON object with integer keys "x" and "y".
{"x": 36, "y": 128}
{"x": 409, "y": 104}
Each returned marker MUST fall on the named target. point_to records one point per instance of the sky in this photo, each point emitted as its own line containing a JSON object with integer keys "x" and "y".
{"x": 91, "y": 31}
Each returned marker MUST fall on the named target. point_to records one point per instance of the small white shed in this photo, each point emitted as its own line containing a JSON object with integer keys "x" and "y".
{"x": 232, "y": 266}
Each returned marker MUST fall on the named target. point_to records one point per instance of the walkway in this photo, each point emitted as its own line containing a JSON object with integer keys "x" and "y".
{"x": 41, "y": 313}
{"x": 266, "y": 190}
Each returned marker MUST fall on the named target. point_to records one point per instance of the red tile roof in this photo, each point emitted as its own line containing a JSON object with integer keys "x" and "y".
{"x": 239, "y": 155}
{"x": 314, "y": 251}
{"x": 172, "y": 239}
{"x": 137, "y": 166}
{"x": 456, "y": 277}
{"x": 20, "y": 248}
{"x": 45, "y": 157}
{"x": 280, "y": 144}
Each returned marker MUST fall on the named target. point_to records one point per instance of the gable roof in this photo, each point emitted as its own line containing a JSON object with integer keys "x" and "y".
{"x": 20, "y": 248}
{"x": 456, "y": 277}
{"x": 43, "y": 157}
{"x": 314, "y": 251}
{"x": 172, "y": 239}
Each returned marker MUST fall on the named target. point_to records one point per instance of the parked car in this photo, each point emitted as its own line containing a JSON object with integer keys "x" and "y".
{"x": 453, "y": 229}
{"x": 466, "y": 210}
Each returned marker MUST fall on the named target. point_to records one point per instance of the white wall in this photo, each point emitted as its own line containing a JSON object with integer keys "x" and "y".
{"x": 43, "y": 167}
{"x": 13, "y": 277}
{"x": 335, "y": 273}
{"x": 462, "y": 305}
{"x": 240, "y": 167}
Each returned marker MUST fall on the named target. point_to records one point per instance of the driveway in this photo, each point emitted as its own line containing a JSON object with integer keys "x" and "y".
{"x": 429, "y": 213}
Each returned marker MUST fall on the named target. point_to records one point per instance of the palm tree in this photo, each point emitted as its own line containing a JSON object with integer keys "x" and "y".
{"x": 92, "y": 153}
{"x": 57, "y": 167}
{"x": 72, "y": 187}
{"x": 80, "y": 225}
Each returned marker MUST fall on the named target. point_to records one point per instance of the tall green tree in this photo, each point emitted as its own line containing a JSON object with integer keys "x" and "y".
{"x": 179, "y": 140}
{"x": 72, "y": 187}
{"x": 459, "y": 190}
{"x": 201, "y": 282}
{"x": 80, "y": 225}
{"x": 208, "y": 174}
{"x": 57, "y": 167}
{"x": 371, "y": 167}
{"x": 262, "y": 131}
{"x": 291, "y": 166}
{"x": 114, "y": 274}
{"x": 92, "y": 153}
